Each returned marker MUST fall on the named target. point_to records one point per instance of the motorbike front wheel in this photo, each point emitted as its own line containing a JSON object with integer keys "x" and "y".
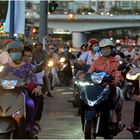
{"x": 88, "y": 130}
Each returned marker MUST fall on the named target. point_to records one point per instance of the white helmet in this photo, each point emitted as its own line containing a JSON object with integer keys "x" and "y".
{"x": 105, "y": 42}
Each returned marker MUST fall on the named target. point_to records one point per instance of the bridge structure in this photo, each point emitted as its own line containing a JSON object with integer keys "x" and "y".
{"x": 78, "y": 24}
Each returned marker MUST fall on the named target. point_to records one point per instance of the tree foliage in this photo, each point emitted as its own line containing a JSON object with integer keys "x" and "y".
{"x": 116, "y": 10}
{"x": 85, "y": 10}
{"x": 3, "y": 9}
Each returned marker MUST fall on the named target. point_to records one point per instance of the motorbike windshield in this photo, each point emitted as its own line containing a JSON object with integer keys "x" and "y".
{"x": 94, "y": 95}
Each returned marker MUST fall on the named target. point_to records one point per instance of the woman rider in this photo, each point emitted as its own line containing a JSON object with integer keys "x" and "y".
{"x": 23, "y": 70}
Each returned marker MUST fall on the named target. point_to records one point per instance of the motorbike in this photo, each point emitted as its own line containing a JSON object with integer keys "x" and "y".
{"x": 48, "y": 68}
{"x": 62, "y": 63}
{"x": 94, "y": 92}
{"x": 12, "y": 107}
{"x": 134, "y": 76}
{"x": 131, "y": 85}
{"x": 65, "y": 70}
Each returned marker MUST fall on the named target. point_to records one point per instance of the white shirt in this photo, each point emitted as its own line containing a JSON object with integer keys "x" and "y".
{"x": 88, "y": 58}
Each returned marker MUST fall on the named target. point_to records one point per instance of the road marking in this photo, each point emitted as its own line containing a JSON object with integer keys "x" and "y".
{"x": 65, "y": 93}
{"x": 59, "y": 89}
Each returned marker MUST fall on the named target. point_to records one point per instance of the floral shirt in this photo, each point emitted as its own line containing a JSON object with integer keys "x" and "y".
{"x": 24, "y": 72}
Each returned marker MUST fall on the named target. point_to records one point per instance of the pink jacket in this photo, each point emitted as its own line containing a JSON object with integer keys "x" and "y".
{"x": 108, "y": 65}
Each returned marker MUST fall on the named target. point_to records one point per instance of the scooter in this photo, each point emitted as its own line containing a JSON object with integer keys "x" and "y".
{"x": 131, "y": 84}
{"x": 134, "y": 74}
{"x": 12, "y": 107}
{"x": 64, "y": 70}
{"x": 48, "y": 68}
{"x": 95, "y": 93}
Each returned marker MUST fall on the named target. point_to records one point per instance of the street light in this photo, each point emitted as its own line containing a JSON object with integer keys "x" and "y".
{"x": 71, "y": 16}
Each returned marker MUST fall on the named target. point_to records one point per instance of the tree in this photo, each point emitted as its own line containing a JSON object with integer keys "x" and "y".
{"x": 3, "y": 9}
{"x": 85, "y": 10}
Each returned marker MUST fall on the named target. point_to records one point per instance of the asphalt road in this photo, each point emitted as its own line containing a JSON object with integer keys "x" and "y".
{"x": 61, "y": 121}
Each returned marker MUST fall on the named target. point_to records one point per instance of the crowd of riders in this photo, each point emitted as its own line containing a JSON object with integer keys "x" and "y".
{"x": 31, "y": 63}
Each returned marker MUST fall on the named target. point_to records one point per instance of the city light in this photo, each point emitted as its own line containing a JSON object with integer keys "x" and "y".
{"x": 71, "y": 16}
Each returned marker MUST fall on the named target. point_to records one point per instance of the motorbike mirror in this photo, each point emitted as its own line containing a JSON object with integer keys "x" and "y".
{"x": 1, "y": 68}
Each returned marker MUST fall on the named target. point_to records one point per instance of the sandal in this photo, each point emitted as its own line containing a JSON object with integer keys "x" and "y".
{"x": 36, "y": 129}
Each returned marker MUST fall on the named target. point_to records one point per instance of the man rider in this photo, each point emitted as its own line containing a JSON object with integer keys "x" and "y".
{"x": 68, "y": 75}
{"x": 39, "y": 56}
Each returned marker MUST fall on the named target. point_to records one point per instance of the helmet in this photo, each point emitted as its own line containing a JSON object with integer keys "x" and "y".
{"x": 93, "y": 41}
{"x": 14, "y": 45}
{"x": 105, "y": 42}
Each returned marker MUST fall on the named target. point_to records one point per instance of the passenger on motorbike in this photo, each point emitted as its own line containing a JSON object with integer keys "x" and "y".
{"x": 38, "y": 99}
{"x": 18, "y": 68}
{"x": 109, "y": 64}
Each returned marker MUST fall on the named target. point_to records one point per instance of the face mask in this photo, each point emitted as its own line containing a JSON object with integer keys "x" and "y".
{"x": 106, "y": 52}
{"x": 16, "y": 55}
{"x": 118, "y": 48}
{"x": 96, "y": 49}
{"x": 65, "y": 50}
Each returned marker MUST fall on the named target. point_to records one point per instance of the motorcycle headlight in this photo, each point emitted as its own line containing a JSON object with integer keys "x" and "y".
{"x": 62, "y": 60}
{"x": 9, "y": 84}
{"x": 50, "y": 63}
{"x": 132, "y": 77}
{"x": 84, "y": 83}
{"x": 96, "y": 79}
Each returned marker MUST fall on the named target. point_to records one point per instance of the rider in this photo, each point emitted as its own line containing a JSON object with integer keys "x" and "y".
{"x": 67, "y": 72}
{"x": 18, "y": 68}
{"x": 109, "y": 64}
{"x": 87, "y": 58}
{"x": 52, "y": 55}
{"x": 117, "y": 51}
{"x": 83, "y": 48}
{"x": 130, "y": 52}
{"x": 38, "y": 99}
{"x": 39, "y": 56}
